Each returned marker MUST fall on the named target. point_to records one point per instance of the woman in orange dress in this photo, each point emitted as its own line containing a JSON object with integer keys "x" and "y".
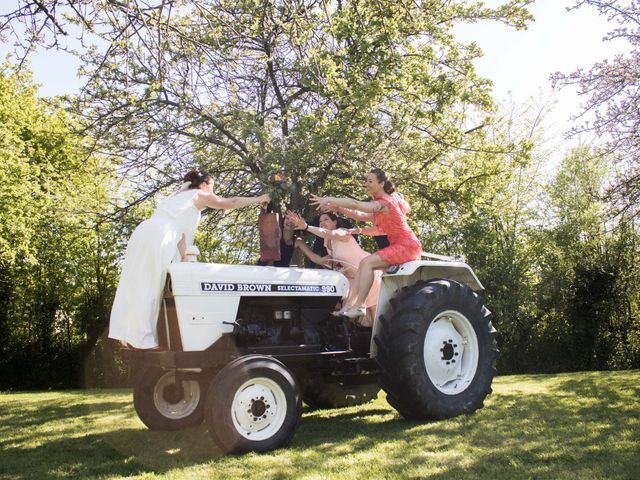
{"x": 388, "y": 211}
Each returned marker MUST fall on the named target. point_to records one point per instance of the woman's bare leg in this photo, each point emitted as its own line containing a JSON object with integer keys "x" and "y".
{"x": 365, "y": 275}
{"x": 353, "y": 292}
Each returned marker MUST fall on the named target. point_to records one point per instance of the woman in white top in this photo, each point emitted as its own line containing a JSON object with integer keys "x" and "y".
{"x": 345, "y": 255}
{"x": 151, "y": 248}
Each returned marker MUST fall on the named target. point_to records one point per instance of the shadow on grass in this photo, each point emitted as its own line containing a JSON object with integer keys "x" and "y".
{"x": 72, "y": 451}
{"x": 566, "y": 426}
{"x": 22, "y": 418}
{"x": 82, "y": 454}
{"x": 84, "y": 457}
{"x": 578, "y": 425}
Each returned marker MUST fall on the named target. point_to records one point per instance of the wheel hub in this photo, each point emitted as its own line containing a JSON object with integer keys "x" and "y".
{"x": 176, "y": 399}
{"x": 259, "y": 408}
{"x": 255, "y": 407}
{"x": 451, "y": 352}
{"x": 173, "y": 393}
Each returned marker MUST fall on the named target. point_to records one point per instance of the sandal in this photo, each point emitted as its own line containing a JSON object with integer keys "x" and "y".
{"x": 338, "y": 309}
{"x": 354, "y": 311}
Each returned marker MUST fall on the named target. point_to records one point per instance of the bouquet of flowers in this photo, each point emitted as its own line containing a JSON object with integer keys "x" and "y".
{"x": 279, "y": 188}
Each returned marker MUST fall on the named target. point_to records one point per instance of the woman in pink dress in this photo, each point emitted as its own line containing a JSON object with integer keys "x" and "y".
{"x": 345, "y": 254}
{"x": 388, "y": 211}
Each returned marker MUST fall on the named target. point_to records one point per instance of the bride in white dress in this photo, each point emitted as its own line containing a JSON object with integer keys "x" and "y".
{"x": 152, "y": 246}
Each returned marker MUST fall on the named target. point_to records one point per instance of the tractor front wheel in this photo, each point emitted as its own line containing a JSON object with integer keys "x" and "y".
{"x": 253, "y": 404}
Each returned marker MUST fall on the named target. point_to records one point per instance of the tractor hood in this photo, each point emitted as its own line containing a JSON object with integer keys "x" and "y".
{"x": 221, "y": 279}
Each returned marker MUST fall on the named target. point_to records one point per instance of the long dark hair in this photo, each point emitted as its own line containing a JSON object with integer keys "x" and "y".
{"x": 382, "y": 177}
{"x": 331, "y": 215}
{"x": 197, "y": 177}
{"x": 340, "y": 222}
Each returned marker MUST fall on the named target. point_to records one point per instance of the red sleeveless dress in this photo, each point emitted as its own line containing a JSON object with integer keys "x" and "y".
{"x": 404, "y": 245}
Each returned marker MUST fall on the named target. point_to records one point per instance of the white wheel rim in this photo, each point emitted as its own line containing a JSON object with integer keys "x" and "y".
{"x": 259, "y": 408}
{"x": 451, "y": 352}
{"x": 184, "y": 406}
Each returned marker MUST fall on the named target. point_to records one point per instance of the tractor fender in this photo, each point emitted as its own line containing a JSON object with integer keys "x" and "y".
{"x": 427, "y": 269}
{"x": 397, "y": 277}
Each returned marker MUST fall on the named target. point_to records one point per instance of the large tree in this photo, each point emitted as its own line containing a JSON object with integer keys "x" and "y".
{"x": 611, "y": 88}
{"x": 249, "y": 88}
{"x": 58, "y": 250}
{"x": 587, "y": 295}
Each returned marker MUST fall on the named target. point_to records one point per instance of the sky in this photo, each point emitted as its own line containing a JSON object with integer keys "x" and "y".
{"x": 518, "y": 62}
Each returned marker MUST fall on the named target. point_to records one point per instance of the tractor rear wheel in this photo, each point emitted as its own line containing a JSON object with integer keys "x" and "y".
{"x": 167, "y": 399}
{"x": 436, "y": 350}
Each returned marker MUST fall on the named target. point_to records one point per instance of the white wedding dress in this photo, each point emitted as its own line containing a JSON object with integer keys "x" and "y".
{"x": 151, "y": 248}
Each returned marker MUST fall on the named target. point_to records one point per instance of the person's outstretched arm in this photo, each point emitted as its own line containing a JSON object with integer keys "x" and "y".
{"x": 366, "y": 207}
{"x": 372, "y": 231}
{"x": 214, "y": 201}
{"x": 348, "y": 212}
{"x": 311, "y": 255}
{"x": 339, "y": 234}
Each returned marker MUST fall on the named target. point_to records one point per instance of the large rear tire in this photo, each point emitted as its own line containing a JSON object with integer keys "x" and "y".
{"x": 167, "y": 400}
{"x": 436, "y": 350}
{"x": 253, "y": 404}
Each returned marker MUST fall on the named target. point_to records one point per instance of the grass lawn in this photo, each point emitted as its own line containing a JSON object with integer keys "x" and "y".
{"x": 571, "y": 426}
